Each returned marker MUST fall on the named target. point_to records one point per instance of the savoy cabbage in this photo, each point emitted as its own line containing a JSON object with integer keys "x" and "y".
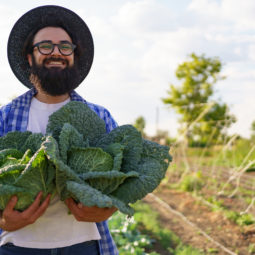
{"x": 78, "y": 159}
{"x": 104, "y": 169}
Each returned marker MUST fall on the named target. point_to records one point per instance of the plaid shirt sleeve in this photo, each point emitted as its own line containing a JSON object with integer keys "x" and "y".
{"x": 105, "y": 115}
{"x": 14, "y": 116}
{"x": 102, "y": 112}
{"x": 106, "y": 243}
{"x": 1, "y": 124}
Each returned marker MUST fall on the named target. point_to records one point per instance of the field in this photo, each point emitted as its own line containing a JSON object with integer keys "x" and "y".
{"x": 205, "y": 205}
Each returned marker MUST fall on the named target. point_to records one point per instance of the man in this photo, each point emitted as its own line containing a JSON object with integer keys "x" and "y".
{"x": 50, "y": 50}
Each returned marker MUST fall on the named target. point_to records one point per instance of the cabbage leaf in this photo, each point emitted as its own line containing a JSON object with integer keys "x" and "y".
{"x": 23, "y": 170}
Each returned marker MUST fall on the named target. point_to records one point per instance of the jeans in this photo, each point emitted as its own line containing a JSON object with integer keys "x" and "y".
{"x": 86, "y": 248}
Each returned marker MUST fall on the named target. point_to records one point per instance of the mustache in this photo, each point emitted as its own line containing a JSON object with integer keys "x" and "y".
{"x": 55, "y": 59}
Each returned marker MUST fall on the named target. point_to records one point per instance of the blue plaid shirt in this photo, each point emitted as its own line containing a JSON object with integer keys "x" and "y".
{"x": 14, "y": 117}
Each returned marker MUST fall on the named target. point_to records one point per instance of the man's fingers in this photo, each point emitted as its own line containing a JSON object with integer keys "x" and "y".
{"x": 72, "y": 205}
{"x": 34, "y": 206}
{"x": 75, "y": 209}
{"x": 40, "y": 211}
{"x": 13, "y": 220}
{"x": 11, "y": 204}
{"x": 89, "y": 213}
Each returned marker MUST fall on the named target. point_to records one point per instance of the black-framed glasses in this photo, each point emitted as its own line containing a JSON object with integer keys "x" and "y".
{"x": 47, "y": 47}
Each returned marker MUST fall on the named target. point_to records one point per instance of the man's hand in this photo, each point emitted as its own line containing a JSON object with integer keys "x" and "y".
{"x": 12, "y": 220}
{"x": 89, "y": 214}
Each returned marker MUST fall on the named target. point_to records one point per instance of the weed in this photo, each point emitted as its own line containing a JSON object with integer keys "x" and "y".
{"x": 241, "y": 220}
{"x": 245, "y": 219}
{"x": 192, "y": 182}
{"x": 231, "y": 215}
{"x": 187, "y": 250}
{"x": 212, "y": 250}
{"x": 251, "y": 249}
{"x": 218, "y": 204}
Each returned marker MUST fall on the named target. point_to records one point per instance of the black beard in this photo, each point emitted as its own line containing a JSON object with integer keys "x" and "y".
{"x": 55, "y": 81}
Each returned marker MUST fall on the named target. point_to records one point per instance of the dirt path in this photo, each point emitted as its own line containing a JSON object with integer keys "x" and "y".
{"x": 232, "y": 238}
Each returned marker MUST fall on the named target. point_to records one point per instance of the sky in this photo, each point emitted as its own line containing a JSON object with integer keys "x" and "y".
{"x": 138, "y": 47}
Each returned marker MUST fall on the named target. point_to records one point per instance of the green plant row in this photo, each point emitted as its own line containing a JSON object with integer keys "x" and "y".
{"x": 137, "y": 235}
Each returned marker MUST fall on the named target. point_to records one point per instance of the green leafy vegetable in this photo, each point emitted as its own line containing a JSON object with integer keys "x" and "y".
{"x": 130, "y": 139}
{"x": 22, "y": 172}
{"x": 14, "y": 140}
{"x": 80, "y": 116}
{"x": 80, "y": 160}
{"x": 104, "y": 169}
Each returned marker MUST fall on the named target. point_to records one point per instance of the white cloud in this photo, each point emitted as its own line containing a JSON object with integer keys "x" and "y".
{"x": 239, "y": 13}
{"x": 240, "y": 71}
{"x": 244, "y": 111}
{"x": 144, "y": 16}
{"x": 8, "y": 16}
{"x": 204, "y": 7}
{"x": 251, "y": 52}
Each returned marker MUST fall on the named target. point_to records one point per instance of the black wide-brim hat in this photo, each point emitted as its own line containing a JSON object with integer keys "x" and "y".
{"x": 38, "y": 18}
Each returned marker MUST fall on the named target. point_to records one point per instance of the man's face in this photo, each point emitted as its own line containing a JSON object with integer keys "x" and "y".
{"x": 55, "y": 73}
{"x": 55, "y": 35}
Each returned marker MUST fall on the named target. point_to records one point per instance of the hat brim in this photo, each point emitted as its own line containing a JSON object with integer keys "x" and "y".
{"x": 43, "y": 16}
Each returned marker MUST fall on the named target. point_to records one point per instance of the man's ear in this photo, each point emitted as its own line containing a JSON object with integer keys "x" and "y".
{"x": 29, "y": 59}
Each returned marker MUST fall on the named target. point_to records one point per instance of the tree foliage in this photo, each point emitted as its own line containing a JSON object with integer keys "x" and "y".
{"x": 253, "y": 130}
{"x": 203, "y": 120}
{"x": 140, "y": 124}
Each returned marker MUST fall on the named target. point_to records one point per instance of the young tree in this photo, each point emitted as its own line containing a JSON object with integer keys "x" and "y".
{"x": 203, "y": 121}
{"x": 253, "y": 130}
{"x": 140, "y": 124}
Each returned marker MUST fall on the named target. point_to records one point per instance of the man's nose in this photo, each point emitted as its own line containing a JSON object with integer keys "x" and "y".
{"x": 55, "y": 50}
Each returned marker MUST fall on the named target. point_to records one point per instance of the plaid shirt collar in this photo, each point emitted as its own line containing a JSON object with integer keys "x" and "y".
{"x": 18, "y": 111}
{"x": 25, "y": 99}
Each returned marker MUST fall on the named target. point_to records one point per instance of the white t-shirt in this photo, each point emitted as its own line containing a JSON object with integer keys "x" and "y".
{"x": 56, "y": 227}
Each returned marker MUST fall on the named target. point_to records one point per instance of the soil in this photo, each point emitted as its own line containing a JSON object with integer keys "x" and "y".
{"x": 235, "y": 239}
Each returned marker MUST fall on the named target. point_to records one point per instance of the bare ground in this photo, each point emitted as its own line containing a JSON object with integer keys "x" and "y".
{"x": 221, "y": 236}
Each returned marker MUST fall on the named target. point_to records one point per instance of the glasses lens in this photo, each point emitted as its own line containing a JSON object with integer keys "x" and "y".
{"x": 65, "y": 48}
{"x": 45, "y": 47}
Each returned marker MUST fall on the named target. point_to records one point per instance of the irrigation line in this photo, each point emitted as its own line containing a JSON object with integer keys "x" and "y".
{"x": 169, "y": 208}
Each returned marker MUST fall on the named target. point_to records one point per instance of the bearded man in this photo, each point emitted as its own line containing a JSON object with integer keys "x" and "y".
{"x": 50, "y": 50}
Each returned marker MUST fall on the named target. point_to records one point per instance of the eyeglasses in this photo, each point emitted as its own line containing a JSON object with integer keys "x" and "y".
{"x": 47, "y": 47}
